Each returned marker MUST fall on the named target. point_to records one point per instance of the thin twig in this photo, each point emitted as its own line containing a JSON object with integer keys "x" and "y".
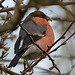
{"x": 72, "y": 14}
{"x": 71, "y": 70}
{"x": 61, "y": 56}
{"x": 61, "y": 36}
{"x": 22, "y": 7}
{"x": 7, "y": 9}
{"x": 31, "y": 66}
{"x": 62, "y": 44}
{"x": 36, "y": 64}
{"x": 63, "y": 20}
{"x": 8, "y": 71}
{"x": 2, "y": 1}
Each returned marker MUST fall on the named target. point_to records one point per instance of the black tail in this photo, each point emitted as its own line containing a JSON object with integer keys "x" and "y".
{"x": 17, "y": 44}
{"x": 15, "y": 60}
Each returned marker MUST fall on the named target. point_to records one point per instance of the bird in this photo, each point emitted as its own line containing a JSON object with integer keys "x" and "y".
{"x": 36, "y": 23}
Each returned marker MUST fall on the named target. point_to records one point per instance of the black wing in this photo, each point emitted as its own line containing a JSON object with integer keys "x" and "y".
{"x": 23, "y": 40}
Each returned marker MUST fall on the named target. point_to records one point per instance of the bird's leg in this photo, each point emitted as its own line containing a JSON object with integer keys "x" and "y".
{"x": 25, "y": 64}
{"x": 28, "y": 65}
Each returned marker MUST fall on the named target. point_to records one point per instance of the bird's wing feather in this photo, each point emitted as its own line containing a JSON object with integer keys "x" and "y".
{"x": 23, "y": 40}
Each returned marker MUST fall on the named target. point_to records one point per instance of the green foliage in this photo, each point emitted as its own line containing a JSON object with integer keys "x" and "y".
{"x": 12, "y": 37}
{"x": 22, "y": 1}
{"x": 6, "y": 48}
{"x": 2, "y": 17}
{"x": 4, "y": 36}
{"x": 9, "y": 15}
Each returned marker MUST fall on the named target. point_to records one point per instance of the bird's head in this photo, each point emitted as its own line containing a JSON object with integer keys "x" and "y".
{"x": 40, "y": 14}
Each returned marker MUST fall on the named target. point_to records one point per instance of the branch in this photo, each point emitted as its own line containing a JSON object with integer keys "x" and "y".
{"x": 35, "y": 3}
{"x": 61, "y": 56}
{"x": 62, "y": 44}
{"x": 48, "y": 3}
{"x": 7, "y": 9}
{"x": 36, "y": 64}
{"x": 15, "y": 20}
{"x": 47, "y": 71}
{"x": 73, "y": 15}
{"x": 8, "y": 71}
{"x": 60, "y": 37}
{"x": 32, "y": 66}
{"x": 2, "y": 1}
{"x": 59, "y": 19}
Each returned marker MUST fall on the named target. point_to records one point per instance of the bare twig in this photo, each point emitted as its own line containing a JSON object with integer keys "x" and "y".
{"x": 23, "y": 7}
{"x": 46, "y": 71}
{"x": 73, "y": 15}
{"x": 63, "y": 20}
{"x": 62, "y": 44}
{"x": 2, "y": 1}
{"x": 8, "y": 71}
{"x": 15, "y": 19}
{"x": 33, "y": 66}
{"x": 7, "y": 9}
{"x": 68, "y": 73}
{"x": 61, "y": 56}
{"x": 61, "y": 36}
{"x": 36, "y": 64}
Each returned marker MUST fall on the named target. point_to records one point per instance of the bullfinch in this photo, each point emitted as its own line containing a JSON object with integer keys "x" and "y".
{"x": 42, "y": 33}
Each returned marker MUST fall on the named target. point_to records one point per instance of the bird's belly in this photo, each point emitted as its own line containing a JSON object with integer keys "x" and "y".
{"x": 33, "y": 52}
{"x": 32, "y": 56}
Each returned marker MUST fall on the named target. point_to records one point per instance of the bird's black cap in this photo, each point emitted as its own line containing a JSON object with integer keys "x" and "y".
{"x": 39, "y": 14}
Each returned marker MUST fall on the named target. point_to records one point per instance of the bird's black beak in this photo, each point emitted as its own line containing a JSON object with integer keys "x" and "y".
{"x": 48, "y": 18}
